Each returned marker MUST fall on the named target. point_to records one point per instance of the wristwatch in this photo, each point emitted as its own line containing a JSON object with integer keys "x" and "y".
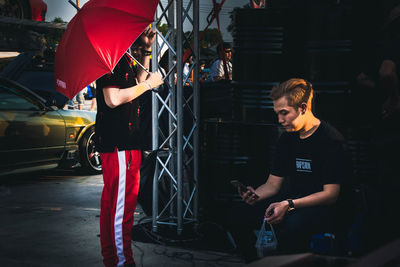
{"x": 291, "y": 205}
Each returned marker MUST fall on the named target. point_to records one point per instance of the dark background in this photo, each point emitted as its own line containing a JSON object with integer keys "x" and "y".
{"x": 329, "y": 43}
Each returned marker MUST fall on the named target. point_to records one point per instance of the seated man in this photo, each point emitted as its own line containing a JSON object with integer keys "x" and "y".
{"x": 310, "y": 155}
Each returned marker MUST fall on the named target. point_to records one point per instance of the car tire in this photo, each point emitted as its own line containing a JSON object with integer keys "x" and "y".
{"x": 89, "y": 156}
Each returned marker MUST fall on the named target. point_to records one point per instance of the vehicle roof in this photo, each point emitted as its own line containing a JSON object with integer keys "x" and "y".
{"x": 8, "y": 82}
{"x": 35, "y": 71}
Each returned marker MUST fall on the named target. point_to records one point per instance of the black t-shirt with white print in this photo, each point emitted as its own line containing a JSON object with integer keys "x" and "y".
{"x": 312, "y": 162}
{"x": 118, "y": 127}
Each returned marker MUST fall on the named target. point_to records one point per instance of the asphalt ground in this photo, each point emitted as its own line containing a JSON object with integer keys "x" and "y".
{"x": 52, "y": 219}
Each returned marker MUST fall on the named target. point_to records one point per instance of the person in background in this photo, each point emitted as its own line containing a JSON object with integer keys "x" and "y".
{"x": 93, "y": 92}
{"x": 387, "y": 139}
{"x": 222, "y": 69}
{"x": 389, "y": 68}
{"x": 186, "y": 70}
{"x": 204, "y": 72}
{"x": 79, "y": 99}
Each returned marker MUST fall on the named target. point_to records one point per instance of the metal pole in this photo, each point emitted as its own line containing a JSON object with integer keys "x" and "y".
{"x": 170, "y": 166}
{"x": 74, "y": 5}
{"x": 154, "y": 65}
{"x": 172, "y": 105}
{"x": 196, "y": 107}
{"x": 179, "y": 95}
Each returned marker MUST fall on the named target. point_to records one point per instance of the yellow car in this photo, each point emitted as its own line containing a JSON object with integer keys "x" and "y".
{"x": 37, "y": 134}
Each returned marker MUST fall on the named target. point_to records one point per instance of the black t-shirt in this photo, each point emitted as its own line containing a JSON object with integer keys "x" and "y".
{"x": 312, "y": 162}
{"x": 118, "y": 127}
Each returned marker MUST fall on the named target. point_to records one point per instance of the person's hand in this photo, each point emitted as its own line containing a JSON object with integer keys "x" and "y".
{"x": 364, "y": 80}
{"x": 148, "y": 37}
{"x": 155, "y": 80}
{"x": 276, "y": 212}
{"x": 391, "y": 105}
{"x": 394, "y": 14}
{"x": 248, "y": 196}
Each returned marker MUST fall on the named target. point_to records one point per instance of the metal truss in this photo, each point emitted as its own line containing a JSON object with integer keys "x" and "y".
{"x": 176, "y": 116}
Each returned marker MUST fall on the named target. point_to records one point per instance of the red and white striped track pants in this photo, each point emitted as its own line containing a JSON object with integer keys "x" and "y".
{"x": 121, "y": 176}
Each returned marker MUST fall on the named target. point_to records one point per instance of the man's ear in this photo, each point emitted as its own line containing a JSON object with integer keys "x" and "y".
{"x": 303, "y": 108}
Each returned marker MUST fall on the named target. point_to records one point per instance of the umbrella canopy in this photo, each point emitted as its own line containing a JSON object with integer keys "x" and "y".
{"x": 96, "y": 38}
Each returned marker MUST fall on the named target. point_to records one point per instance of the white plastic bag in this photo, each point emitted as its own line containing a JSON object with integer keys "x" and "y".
{"x": 266, "y": 241}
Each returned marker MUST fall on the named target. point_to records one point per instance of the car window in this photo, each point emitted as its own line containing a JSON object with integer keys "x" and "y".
{"x": 42, "y": 83}
{"x": 35, "y": 72}
{"x": 12, "y": 99}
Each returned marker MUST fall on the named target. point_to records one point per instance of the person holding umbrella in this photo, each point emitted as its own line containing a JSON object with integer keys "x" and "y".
{"x": 94, "y": 48}
{"x": 118, "y": 141}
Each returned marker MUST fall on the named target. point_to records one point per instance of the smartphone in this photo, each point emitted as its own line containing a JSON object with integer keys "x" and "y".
{"x": 237, "y": 183}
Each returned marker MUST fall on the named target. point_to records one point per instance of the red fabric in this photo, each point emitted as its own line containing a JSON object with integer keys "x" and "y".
{"x": 38, "y": 10}
{"x": 96, "y": 38}
{"x": 109, "y": 208}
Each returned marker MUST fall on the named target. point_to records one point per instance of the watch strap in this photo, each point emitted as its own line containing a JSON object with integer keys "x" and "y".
{"x": 291, "y": 205}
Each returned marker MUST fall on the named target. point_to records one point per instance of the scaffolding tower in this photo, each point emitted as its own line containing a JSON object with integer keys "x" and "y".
{"x": 177, "y": 141}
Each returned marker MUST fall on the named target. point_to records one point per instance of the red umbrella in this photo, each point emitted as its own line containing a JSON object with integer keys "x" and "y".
{"x": 96, "y": 38}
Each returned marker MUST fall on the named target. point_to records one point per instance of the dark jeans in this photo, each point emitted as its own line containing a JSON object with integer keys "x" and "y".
{"x": 294, "y": 232}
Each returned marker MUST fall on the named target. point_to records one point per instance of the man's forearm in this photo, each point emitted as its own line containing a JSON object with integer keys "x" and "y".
{"x": 115, "y": 96}
{"x": 270, "y": 188}
{"x": 326, "y": 197}
{"x": 265, "y": 191}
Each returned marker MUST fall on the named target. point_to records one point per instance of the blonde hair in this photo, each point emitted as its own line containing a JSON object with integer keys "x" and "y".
{"x": 296, "y": 91}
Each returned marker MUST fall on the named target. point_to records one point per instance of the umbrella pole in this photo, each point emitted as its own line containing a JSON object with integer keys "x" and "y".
{"x": 143, "y": 67}
{"x": 75, "y": 5}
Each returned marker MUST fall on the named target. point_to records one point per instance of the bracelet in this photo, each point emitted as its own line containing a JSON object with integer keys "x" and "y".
{"x": 148, "y": 84}
{"x": 146, "y": 52}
